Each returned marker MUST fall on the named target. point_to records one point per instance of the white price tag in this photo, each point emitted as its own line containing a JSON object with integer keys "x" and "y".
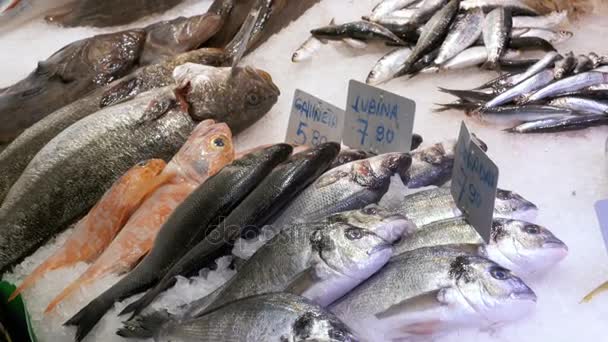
{"x": 601, "y": 209}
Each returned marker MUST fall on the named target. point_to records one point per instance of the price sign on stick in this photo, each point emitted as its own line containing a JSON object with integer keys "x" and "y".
{"x": 474, "y": 182}
{"x": 378, "y": 121}
{"x": 601, "y": 209}
{"x": 313, "y": 121}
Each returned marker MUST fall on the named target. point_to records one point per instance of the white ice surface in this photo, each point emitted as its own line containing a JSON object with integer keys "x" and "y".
{"x": 564, "y": 174}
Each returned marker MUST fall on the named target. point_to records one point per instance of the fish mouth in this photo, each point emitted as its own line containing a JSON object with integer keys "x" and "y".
{"x": 266, "y": 77}
{"x": 555, "y": 243}
{"x": 380, "y": 248}
{"x": 525, "y": 295}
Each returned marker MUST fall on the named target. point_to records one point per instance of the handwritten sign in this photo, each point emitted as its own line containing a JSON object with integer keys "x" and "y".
{"x": 378, "y": 121}
{"x": 601, "y": 209}
{"x": 313, "y": 121}
{"x": 474, "y": 182}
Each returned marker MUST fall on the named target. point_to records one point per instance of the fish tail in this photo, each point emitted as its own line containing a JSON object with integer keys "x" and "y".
{"x": 490, "y": 65}
{"x": 598, "y": 290}
{"x": 144, "y": 326}
{"x": 88, "y": 317}
{"x": 33, "y": 277}
{"x": 67, "y": 292}
{"x": 137, "y": 306}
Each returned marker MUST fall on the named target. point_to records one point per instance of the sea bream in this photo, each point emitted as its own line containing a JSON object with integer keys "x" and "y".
{"x": 208, "y": 149}
{"x": 63, "y": 179}
{"x": 321, "y": 261}
{"x": 189, "y": 223}
{"x": 434, "y": 291}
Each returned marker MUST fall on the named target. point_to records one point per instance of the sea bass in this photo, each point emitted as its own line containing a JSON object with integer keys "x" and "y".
{"x": 208, "y": 149}
{"x": 63, "y": 180}
{"x": 98, "y": 228}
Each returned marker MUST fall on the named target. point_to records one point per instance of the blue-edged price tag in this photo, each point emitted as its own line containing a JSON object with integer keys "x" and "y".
{"x": 474, "y": 182}
{"x": 313, "y": 121}
{"x": 601, "y": 209}
{"x": 378, "y": 121}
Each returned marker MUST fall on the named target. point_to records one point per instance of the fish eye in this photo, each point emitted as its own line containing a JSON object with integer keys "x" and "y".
{"x": 219, "y": 142}
{"x": 532, "y": 229}
{"x": 337, "y": 335}
{"x": 370, "y": 211}
{"x": 354, "y": 233}
{"x": 253, "y": 99}
{"x": 500, "y": 273}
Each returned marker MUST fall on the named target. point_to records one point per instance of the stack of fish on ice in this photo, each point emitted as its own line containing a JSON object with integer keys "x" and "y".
{"x": 558, "y": 93}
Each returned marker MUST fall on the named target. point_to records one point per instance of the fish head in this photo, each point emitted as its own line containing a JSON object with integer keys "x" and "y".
{"x": 512, "y": 205}
{"x": 528, "y": 248}
{"x": 386, "y": 224}
{"x": 375, "y": 172}
{"x": 354, "y": 252}
{"x": 492, "y": 291}
{"x": 208, "y": 149}
{"x": 314, "y": 326}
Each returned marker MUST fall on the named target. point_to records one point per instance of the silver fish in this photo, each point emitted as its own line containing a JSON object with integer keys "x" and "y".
{"x": 554, "y": 37}
{"x": 386, "y": 7}
{"x": 496, "y": 35}
{"x": 515, "y": 115}
{"x": 425, "y": 11}
{"x": 567, "y": 123}
{"x": 464, "y": 33}
{"x": 268, "y": 317}
{"x": 520, "y": 246}
{"x": 516, "y": 6}
{"x": 437, "y": 204}
{"x": 564, "y": 66}
{"x": 572, "y": 83}
{"x": 579, "y": 104}
{"x": 532, "y": 84}
{"x": 355, "y": 43}
{"x": 583, "y": 63}
{"x": 388, "y": 65}
{"x": 470, "y": 57}
{"x": 309, "y": 48}
{"x": 362, "y": 30}
{"x": 543, "y": 63}
{"x": 431, "y": 291}
{"x": 350, "y": 186}
{"x": 430, "y": 166}
{"x": 548, "y": 21}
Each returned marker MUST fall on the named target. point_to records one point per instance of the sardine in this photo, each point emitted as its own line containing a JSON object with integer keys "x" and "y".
{"x": 98, "y": 228}
{"x": 388, "y": 65}
{"x": 363, "y": 30}
{"x": 208, "y": 149}
{"x": 515, "y": 115}
{"x": 430, "y": 166}
{"x": 350, "y": 186}
{"x": 267, "y": 317}
{"x": 583, "y": 63}
{"x": 63, "y": 179}
{"x": 282, "y": 185}
{"x": 553, "y": 37}
{"x": 424, "y": 12}
{"x": 308, "y": 48}
{"x": 565, "y": 66}
{"x": 496, "y": 35}
{"x": 188, "y": 224}
{"x": 432, "y": 35}
{"x": 579, "y": 104}
{"x": 517, "y": 7}
{"x": 386, "y": 7}
{"x": 526, "y": 87}
{"x": 437, "y": 204}
{"x": 549, "y": 21}
{"x": 433, "y": 291}
{"x": 563, "y": 124}
{"x": 572, "y": 83}
{"x": 464, "y": 32}
{"x": 20, "y": 152}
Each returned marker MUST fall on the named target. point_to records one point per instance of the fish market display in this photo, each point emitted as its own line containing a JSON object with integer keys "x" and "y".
{"x": 520, "y": 246}
{"x": 191, "y": 221}
{"x": 208, "y": 149}
{"x": 350, "y": 186}
{"x": 283, "y": 184}
{"x": 558, "y": 93}
{"x": 319, "y": 260}
{"x": 98, "y": 228}
{"x": 285, "y": 317}
{"x": 87, "y": 64}
{"x": 431, "y": 291}
{"x": 63, "y": 179}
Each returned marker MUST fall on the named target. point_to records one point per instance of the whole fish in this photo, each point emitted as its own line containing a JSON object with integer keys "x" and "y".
{"x": 191, "y": 221}
{"x": 526, "y": 87}
{"x": 547, "y": 61}
{"x": 432, "y": 35}
{"x": 90, "y": 63}
{"x": 350, "y": 186}
{"x": 20, "y": 152}
{"x": 395, "y": 21}
{"x": 282, "y": 185}
{"x": 579, "y": 104}
{"x": 517, "y": 7}
{"x": 433, "y": 205}
{"x": 562, "y": 124}
{"x": 496, "y": 35}
{"x": 548, "y": 21}
{"x": 583, "y": 63}
{"x": 471, "y": 57}
{"x": 321, "y": 261}
{"x": 104, "y": 13}
{"x": 208, "y": 149}
{"x": 464, "y": 33}
{"x": 98, "y": 228}
{"x": 267, "y": 317}
{"x": 515, "y": 115}
{"x": 430, "y": 291}
{"x": 308, "y": 48}
{"x": 565, "y": 66}
{"x": 363, "y": 30}
{"x": 388, "y": 65}
{"x": 430, "y": 166}
{"x": 553, "y": 37}
{"x": 569, "y": 84}
{"x": 348, "y": 155}
{"x": 63, "y": 178}
{"x": 386, "y": 7}
{"x": 520, "y": 246}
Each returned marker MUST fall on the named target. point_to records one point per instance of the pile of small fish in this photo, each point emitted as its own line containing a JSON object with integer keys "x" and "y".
{"x": 558, "y": 93}
{"x": 437, "y": 35}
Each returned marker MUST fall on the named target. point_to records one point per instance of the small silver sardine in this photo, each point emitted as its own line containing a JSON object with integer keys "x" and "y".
{"x": 388, "y": 65}
{"x": 579, "y": 104}
{"x": 496, "y": 34}
{"x": 570, "y": 84}
{"x": 308, "y": 48}
{"x": 567, "y": 123}
{"x": 548, "y": 21}
{"x": 515, "y": 115}
{"x": 386, "y": 7}
{"x": 464, "y": 33}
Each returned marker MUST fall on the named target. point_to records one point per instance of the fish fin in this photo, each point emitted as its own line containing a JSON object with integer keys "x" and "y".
{"x": 144, "y": 326}
{"x": 302, "y": 281}
{"x": 246, "y": 32}
{"x": 510, "y": 130}
{"x": 137, "y": 306}
{"x": 157, "y": 108}
{"x": 41, "y": 270}
{"x": 86, "y": 319}
{"x": 598, "y": 290}
{"x": 426, "y": 301}
{"x": 331, "y": 179}
{"x": 120, "y": 92}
